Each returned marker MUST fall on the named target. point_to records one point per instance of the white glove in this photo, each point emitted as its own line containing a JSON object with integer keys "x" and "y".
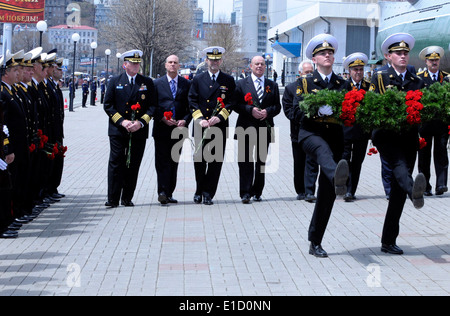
{"x": 3, "y": 165}
{"x": 325, "y": 110}
{"x": 6, "y": 130}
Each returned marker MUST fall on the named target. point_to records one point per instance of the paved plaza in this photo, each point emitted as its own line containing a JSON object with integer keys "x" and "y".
{"x": 79, "y": 247}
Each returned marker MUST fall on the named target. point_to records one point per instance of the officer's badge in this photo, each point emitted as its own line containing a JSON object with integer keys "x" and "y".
{"x": 143, "y": 97}
{"x": 372, "y": 87}
{"x": 299, "y": 91}
{"x": 223, "y": 96}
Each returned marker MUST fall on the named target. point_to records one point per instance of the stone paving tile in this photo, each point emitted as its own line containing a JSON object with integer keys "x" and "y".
{"x": 78, "y": 247}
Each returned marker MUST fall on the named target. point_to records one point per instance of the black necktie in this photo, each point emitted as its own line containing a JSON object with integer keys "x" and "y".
{"x": 434, "y": 77}
{"x": 358, "y": 86}
{"x": 213, "y": 78}
{"x": 327, "y": 81}
{"x": 132, "y": 82}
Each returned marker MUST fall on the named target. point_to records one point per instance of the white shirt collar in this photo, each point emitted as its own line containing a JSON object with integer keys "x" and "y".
{"x": 216, "y": 74}
{"x": 7, "y": 85}
{"x": 401, "y": 74}
{"x": 129, "y": 78}
{"x": 24, "y": 84}
{"x": 434, "y": 74}
{"x": 170, "y": 79}
{"x": 325, "y": 76}
{"x": 254, "y": 78}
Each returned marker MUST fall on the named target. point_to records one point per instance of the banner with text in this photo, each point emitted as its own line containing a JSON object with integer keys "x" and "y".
{"x": 21, "y": 11}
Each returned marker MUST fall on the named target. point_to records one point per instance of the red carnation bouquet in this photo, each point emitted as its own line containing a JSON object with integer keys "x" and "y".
{"x": 168, "y": 115}
{"x": 350, "y": 105}
{"x": 249, "y": 100}
{"x": 414, "y": 107}
{"x": 220, "y": 105}
{"x": 135, "y": 109}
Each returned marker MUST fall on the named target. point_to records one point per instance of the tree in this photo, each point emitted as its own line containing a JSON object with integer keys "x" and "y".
{"x": 166, "y": 30}
{"x": 230, "y": 38}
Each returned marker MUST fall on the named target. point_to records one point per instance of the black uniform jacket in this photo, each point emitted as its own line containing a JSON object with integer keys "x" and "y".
{"x": 204, "y": 93}
{"x": 310, "y": 84}
{"x": 119, "y": 98}
{"x": 166, "y": 103}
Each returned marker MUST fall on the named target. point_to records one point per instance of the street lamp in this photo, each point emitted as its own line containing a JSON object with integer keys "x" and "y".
{"x": 107, "y": 53}
{"x": 283, "y": 77}
{"x": 41, "y": 27}
{"x": 118, "y": 55}
{"x": 93, "y": 46}
{"x": 75, "y": 38}
{"x": 268, "y": 64}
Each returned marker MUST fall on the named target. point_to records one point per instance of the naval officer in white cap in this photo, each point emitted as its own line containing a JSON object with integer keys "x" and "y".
{"x": 399, "y": 150}
{"x": 322, "y": 138}
{"x": 124, "y": 91}
{"x": 436, "y": 130}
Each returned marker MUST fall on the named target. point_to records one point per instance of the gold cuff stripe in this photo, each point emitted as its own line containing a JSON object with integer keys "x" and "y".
{"x": 146, "y": 118}
{"x": 197, "y": 115}
{"x": 225, "y": 114}
{"x": 5, "y": 142}
{"x": 116, "y": 117}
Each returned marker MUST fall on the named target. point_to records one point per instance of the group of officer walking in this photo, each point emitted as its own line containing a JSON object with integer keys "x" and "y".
{"x": 31, "y": 137}
{"x": 132, "y": 100}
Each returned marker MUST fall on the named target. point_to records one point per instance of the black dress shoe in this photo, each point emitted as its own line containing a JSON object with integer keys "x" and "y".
{"x": 111, "y": 204}
{"x": 348, "y": 197}
{"x": 392, "y": 249}
{"x": 127, "y": 203}
{"x": 301, "y": 196}
{"x": 207, "y": 200}
{"x": 257, "y": 198}
{"x": 317, "y": 251}
{"x": 428, "y": 193}
{"x": 440, "y": 190}
{"x": 172, "y": 200}
{"x": 310, "y": 198}
{"x": 246, "y": 199}
{"x": 9, "y": 234}
{"x": 419, "y": 187}
{"x": 198, "y": 199}
{"x": 162, "y": 198}
{"x": 340, "y": 177}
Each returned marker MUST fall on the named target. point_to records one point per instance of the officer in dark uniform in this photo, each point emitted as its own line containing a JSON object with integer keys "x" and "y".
{"x": 203, "y": 100}
{"x": 254, "y": 128}
{"x": 323, "y": 139}
{"x": 102, "y": 90}
{"x": 93, "y": 87}
{"x": 306, "y": 170}
{"x": 6, "y": 158}
{"x": 355, "y": 139}
{"x": 437, "y": 130}
{"x": 124, "y": 91}
{"x": 398, "y": 149}
{"x": 85, "y": 91}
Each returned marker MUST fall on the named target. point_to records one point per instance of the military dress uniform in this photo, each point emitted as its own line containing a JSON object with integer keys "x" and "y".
{"x": 306, "y": 169}
{"x": 120, "y": 96}
{"x": 435, "y": 131}
{"x": 85, "y": 91}
{"x": 206, "y": 88}
{"x": 355, "y": 139}
{"x": 322, "y": 139}
{"x": 398, "y": 149}
{"x": 93, "y": 87}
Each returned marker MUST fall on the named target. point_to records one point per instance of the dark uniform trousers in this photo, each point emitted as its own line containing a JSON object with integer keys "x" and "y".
{"x": 93, "y": 92}
{"x": 399, "y": 150}
{"x": 323, "y": 141}
{"x": 253, "y": 144}
{"x": 208, "y": 161}
{"x": 5, "y": 179}
{"x": 166, "y": 137}
{"x": 355, "y": 145}
{"x": 85, "y": 91}
{"x": 119, "y": 98}
{"x": 306, "y": 169}
{"x": 436, "y": 133}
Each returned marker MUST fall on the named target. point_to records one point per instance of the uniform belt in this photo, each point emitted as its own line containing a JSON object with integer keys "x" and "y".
{"x": 327, "y": 120}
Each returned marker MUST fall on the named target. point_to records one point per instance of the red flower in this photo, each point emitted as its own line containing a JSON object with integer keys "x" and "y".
{"x": 168, "y": 115}
{"x": 372, "y": 151}
{"x": 248, "y": 98}
{"x": 414, "y": 107}
{"x": 136, "y": 107}
{"x": 350, "y": 105}
{"x": 220, "y": 101}
{"x": 422, "y": 143}
{"x": 268, "y": 89}
{"x": 32, "y": 148}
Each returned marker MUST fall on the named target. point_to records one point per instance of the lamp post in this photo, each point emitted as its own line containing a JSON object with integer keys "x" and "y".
{"x": 93, "y": 46}
{"x": 118, "y": 55}
{"x": 41, "y": 27}
{"x": 75, "y": 39}
{"x": 283, "y": 78}
{"x": 107, "y": 53}
{"x": 268, "y": 64}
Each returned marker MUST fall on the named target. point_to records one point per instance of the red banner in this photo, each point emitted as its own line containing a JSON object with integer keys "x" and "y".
{"x": 22, "y": 11}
